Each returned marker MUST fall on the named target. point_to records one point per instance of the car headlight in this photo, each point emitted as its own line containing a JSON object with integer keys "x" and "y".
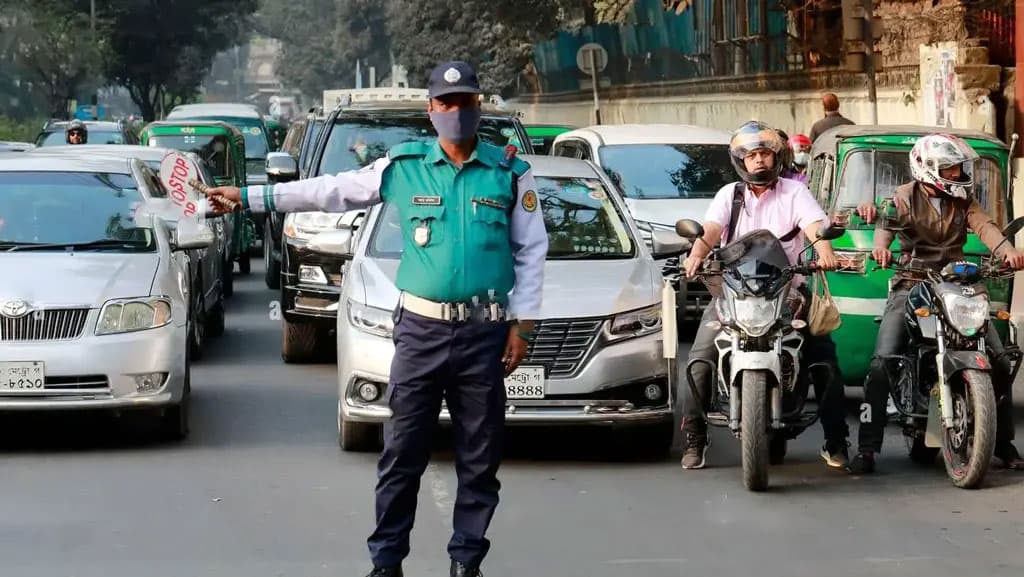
{"x": 966, "y": 314}
{"x": 371, "y": 320}
{"x": 306, "y": 225}
{"x": 755, "y": 315}
{"x": 125, "y": 316}
{"x": 635, "y": 323}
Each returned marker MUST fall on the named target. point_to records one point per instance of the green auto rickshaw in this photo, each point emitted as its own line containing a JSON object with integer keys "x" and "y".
{"x": 851, "y": 165}
{"x": 542, "y": 136}
{"x": 222, "y": 148}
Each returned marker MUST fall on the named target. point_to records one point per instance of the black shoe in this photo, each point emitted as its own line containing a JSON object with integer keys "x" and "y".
{"x": 836, "y": 454}
{"x": 1008, "y": 455}
{"x": 693, "y": 453}
{"x": 460, "y": 569}
{"x": 386, "y": 572}
{"x": 863, "y": 463}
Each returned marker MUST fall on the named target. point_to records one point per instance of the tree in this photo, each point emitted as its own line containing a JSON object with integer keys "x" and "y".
{"x": 160, "y": 50}
{"x": 321, "y": 40}
{"x": 50, "y": 49}
{"x": 496, "y": 36}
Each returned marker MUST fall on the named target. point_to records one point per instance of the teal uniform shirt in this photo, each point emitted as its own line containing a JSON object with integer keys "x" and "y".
{"x": 466, "y": 230}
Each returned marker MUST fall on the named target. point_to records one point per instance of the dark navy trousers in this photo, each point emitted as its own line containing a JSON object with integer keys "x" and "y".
{"x": 461, "y": 363}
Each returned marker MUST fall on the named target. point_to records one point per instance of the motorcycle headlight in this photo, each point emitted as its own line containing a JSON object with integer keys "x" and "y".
{"x": 371, "y": 320}
{"x": 966, "y": 314}
{"x": 306, "y": 225}
{"x": 635, "y": 323}
{"x": 125, "y": 316}
{"x": 755, "y": 315}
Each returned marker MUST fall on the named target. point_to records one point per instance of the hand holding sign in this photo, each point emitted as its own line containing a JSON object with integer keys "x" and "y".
{"x": 223, "y": 199}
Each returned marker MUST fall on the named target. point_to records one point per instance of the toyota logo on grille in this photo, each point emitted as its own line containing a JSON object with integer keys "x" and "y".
{"x": 14, "y": 308}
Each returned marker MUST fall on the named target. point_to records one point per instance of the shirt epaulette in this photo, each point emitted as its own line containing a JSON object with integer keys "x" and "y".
{"x": 408, "y": 150}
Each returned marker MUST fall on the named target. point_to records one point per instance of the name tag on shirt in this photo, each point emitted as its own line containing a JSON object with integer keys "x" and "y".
{"x": 427, "y": 200}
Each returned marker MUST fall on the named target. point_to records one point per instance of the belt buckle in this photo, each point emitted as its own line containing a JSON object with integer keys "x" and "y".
{"x": 460, "y": 309}
{"x": 446, "y": 311}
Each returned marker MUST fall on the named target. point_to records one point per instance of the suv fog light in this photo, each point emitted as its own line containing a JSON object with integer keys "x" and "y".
{"x": 149, "y": 382}
{"x": 369, "y": 392}
{"x": 652, "y": 392}
{"x": 312, "y": 274}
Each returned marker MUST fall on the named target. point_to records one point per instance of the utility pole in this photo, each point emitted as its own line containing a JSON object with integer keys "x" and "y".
{"x": 869, "y": 59}
{"x": 1018, "y": 46}
{"x": 92, "y": 19}
{"x": 861, "y": 29}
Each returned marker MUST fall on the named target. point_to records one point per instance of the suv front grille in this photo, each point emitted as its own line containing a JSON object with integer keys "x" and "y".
{"x": 562, "y": 345}
{"x": 44, "y": 325}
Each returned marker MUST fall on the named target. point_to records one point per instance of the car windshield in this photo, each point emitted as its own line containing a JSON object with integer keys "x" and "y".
{"x": 71, "y": 208}
{"x": 668, "y": 170}
{"x": 212, "y": 148}
{"x": 581, "y": 219}
{"x": 358, "y": 141}
{"x": 252, "y": 130}
{"x": 95, "y": 137}
{"x": 871, "y": 175}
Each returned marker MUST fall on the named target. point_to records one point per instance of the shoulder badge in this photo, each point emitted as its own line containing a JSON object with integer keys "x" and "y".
{"x": 530, "y": 201}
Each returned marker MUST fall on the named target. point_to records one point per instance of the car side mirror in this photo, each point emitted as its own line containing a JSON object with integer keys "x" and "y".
{"x": 667, "y": 244}
{"x": 689, "y": 229}
{"x": 336, "y": 243}
{"x": 281, "y": 167}
{"x": 189, "y": 236}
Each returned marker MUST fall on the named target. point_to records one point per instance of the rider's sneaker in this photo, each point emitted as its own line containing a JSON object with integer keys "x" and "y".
{"x": 836, "y": 453}
{"x": 862, "y": 463}
{"x": 1008, "y": 456}
{"x": 693, "y": 453}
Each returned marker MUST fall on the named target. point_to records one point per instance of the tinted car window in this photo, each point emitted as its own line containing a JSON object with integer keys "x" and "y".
{"x": 95, "y": 137}
{"x": 71, "y": 207}
{"x": 669, "y": 170}
{"x": 358, "y": 141}
{"x": 581, "y": 220}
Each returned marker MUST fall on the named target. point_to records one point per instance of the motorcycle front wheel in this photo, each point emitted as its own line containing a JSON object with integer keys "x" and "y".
{"x": 754, "y": 430}
{"x": 967, "y": 447}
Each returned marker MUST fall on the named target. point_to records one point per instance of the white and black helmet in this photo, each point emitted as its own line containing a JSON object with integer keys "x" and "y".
{"x": 936, "y": 152}
{"x": 757, "y": 136}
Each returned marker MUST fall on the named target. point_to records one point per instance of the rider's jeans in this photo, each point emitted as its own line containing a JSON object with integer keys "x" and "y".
{"x": 820, "y": 349}
{"x": 892, "y": 340}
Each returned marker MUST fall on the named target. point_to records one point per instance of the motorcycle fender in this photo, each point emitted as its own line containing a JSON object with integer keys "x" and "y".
{"x": 955, "y": 361}
{"x": 933, "y": 434}
{"x": 754, "y": 361}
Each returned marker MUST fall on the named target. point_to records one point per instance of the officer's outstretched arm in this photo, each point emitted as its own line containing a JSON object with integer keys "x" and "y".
{"x": 530, "y": 248}
{"x": 340, "y": 192}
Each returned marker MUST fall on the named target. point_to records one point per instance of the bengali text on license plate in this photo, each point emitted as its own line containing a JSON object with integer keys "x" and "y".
{"x": 22, "y": 377}
{"x": 525, "y": 383}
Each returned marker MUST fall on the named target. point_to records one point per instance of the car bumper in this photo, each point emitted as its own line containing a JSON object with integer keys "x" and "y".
{"x": 95, "y": 372}
{"x": 305, "y": 301}
{"x": 607, "y": 390}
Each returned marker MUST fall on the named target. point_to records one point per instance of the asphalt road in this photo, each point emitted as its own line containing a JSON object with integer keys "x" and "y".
{"x": 260, "y": 489}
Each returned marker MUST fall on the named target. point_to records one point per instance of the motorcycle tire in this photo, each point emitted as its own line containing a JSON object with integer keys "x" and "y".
{"x": 754, "y": 430}
{"x": 975, "y": 396}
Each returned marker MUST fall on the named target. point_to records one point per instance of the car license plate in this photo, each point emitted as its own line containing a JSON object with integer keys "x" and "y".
{"x": 23, "y": 377}
{"x": 525, "y": 383}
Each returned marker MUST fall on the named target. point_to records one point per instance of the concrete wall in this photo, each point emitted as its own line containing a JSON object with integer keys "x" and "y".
{"x": 793, "y": 112}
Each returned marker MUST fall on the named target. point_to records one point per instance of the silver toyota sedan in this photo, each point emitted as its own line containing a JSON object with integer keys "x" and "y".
{"x": 93, "y": 311}
{"x": 597, "y": 355}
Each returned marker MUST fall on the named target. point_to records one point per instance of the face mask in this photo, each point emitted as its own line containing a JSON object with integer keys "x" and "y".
{"x": 456, "y": 126}
{"x": 801, "y": 158}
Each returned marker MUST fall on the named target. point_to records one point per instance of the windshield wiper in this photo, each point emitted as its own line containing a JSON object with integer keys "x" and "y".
{"x": 102, "y": 243}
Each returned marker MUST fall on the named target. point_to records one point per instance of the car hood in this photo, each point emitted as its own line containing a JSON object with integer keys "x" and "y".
{"x": 666, "y": 211}
{"x": 572, "y": 289}
{"x": 78, "y": 279}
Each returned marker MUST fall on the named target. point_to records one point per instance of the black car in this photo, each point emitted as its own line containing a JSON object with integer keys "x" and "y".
{"x": 99, "y": 133}
{"x": 353, "y": 136}
{"x": 299, "y": 143}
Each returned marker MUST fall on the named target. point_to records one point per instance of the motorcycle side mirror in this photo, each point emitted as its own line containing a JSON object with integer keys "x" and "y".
{"x": 1013, "y": 227}
{"x": 830, "y": 232}
{"x": 689, "y": 229}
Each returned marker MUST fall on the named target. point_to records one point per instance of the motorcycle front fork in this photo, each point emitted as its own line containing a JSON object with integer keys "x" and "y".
{"x": 945, "y": 391}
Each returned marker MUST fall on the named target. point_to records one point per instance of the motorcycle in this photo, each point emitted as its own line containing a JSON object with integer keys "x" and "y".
{"x": 759, "y": 393}
{"x": 942, "y": 386}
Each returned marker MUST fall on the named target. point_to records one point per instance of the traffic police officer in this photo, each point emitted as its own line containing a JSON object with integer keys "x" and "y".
{"x": 472, "y": 230}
